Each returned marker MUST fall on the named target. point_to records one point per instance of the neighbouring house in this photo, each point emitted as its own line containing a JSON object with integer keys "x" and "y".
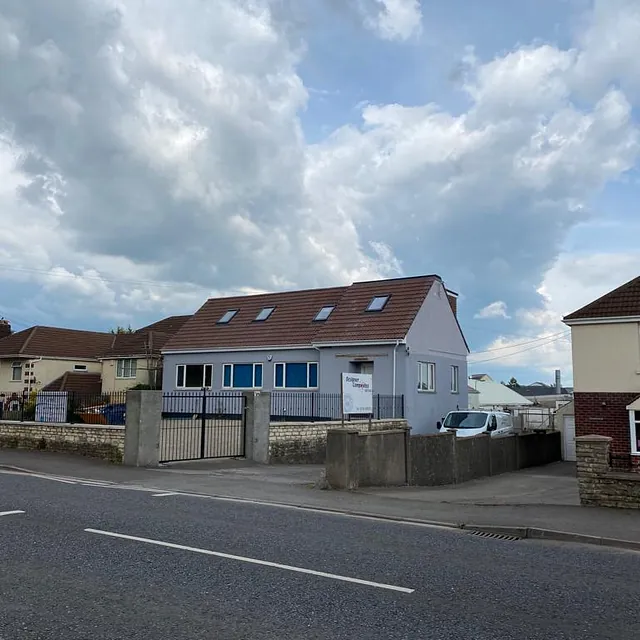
{"x": 404, "y": 332}
{"x": 547, "y": 395}
{"x": 474, "y": 398}
{"x": 33, "y": 358}
{"x": 57, "y": 359}
{"x": 605, "y": 336}
{"x": 135, "y": 358}
{"x": 494, "y": 395}
{"x": 82, "y": 382}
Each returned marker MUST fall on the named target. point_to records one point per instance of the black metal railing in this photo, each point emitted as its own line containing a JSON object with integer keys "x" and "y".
{"x": 311, "y": 406}
{"x": 64, "y": 407}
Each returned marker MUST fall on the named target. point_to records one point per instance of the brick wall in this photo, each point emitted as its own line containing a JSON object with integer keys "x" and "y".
{"x": 600, "y": 485}
{"x": 96, "y": 441}
{"x": 306, "y": 442}
{"x": 606, "y": 414}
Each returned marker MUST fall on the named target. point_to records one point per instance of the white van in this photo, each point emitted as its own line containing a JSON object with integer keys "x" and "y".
{"x": 473, "y": 423}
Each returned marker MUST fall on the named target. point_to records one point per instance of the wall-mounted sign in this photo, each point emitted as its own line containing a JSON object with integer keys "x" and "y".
{"x": 357, "y": 393}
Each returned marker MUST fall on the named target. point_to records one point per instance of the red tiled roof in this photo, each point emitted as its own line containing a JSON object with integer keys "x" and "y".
{"x": 54, "y": 342}
{"x": 80, "y": 381}
{"x": 619, "y": 303}
{"x": 169, "y": 325}
{"x": 292, "y": 322}
{"x": 127, "y": 345}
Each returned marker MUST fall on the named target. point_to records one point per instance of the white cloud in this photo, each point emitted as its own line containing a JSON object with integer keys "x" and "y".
{"x": 497, "y": 309}
{"x": 166, "y": 147}
{"x": 392, "y": 19}
{"x": 543, "y": 341}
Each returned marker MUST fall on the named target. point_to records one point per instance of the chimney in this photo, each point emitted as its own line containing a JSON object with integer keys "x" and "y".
{"x": 558, "y": 382}
{"x": 5, "y": 328}
{"x": 453, "y": 302}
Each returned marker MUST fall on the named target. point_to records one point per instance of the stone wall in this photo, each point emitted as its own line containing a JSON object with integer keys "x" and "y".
{"x": 605, "y": 414}
{"x": 96, "y": 441}
{"x": 598, "y": 483}
{"x": 306, "y": 442}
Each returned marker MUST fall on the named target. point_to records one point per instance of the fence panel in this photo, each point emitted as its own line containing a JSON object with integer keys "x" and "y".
{"x": 311, "y": 406}
{"x": 64, "y": 407}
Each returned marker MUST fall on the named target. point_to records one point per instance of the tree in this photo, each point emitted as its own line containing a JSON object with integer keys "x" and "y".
{"x": 513, "y": 383}
{"x": 120, "y": 329}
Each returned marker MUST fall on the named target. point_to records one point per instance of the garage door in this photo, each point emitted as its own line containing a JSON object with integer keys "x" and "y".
{"x": 569, "y": 435}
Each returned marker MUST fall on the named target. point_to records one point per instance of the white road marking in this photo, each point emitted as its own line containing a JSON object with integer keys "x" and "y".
{"x": 10, "y": 513}
{"x": 264, "y": 563}
{"x": 47, "y": 477}
{"x": 162, "y": 495}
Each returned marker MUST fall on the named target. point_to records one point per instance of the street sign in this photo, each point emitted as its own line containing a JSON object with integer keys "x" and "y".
{"x": 357, "y": 393}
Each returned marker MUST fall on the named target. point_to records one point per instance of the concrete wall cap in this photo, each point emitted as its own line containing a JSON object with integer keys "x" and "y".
{"x": 593, "y": 438}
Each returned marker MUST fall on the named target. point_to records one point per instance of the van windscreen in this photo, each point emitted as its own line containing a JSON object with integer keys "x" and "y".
{"x": 465, "y": 420}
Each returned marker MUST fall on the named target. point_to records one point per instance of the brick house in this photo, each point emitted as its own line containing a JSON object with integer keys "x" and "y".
{"x": 605, "y": 337}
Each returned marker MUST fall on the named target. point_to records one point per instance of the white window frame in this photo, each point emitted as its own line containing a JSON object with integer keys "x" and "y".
{"x": 233, "y": 365}
{"x": 283, "y": 387}
{"x": 634, "y": 431}
{"x": 16, "y": 366}
{"x": 121, "y": 369}
{"x": 204, "y": 376}
{"x": 455, "y": 378}
{"x": 427, "y": 370}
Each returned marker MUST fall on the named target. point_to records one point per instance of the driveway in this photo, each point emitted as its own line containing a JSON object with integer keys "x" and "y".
{"x": 552, "y": 484}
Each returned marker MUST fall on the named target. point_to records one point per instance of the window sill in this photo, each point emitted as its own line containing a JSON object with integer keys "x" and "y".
{"x": 425, "y": 391}
{"x": 242, "y": 388}
{"x": 193, "y": 388}
{"x": 122, "y": 378}
{"x": 455, "y": 393}
{"x": 295, "y": 388}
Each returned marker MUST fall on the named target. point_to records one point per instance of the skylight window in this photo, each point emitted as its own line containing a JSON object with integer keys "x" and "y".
{"x": 227, "y": 317}
{"x": 264, "y": 314}
{"x": 378, "y": 303}
{"x": 324, "y": 313}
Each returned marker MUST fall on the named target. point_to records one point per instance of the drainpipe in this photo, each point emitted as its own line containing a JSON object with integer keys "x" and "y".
{"x": 393, "y": 380}
{"x": 32, "y": 362}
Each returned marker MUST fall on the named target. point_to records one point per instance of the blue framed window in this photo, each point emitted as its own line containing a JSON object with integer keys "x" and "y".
{"x": 242, "y": 376}
{"x": 296, "y": 375}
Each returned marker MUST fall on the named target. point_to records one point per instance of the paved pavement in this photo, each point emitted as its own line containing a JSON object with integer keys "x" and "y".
{"x": 117, "y": 561}
{"x": 544, "y": 498}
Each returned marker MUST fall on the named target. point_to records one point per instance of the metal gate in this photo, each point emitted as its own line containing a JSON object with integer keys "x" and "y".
{"x": 202, "y": 424}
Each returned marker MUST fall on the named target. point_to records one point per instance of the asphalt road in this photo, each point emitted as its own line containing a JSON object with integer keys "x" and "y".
{"x": 317, "y": 576}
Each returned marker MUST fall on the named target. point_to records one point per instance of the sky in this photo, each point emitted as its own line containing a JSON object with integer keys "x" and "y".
{"x": 152, "y": 156}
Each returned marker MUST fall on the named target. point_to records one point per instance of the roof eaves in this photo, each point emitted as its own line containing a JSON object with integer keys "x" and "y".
{"x": 354, "y": 343}
{"x": 273, "y": 347}
{"x": 570, "y": 322}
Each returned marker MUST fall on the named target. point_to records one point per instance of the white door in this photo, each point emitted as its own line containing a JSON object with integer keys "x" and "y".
{"x": 569, "y": 437}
